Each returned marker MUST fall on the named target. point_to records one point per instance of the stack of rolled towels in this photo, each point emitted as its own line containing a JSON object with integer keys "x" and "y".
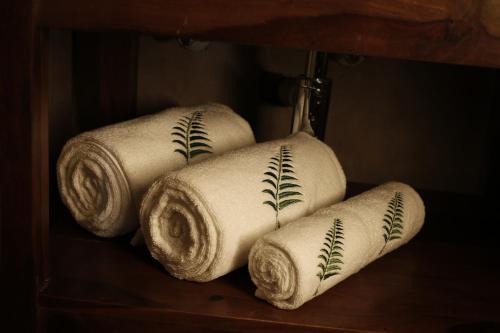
{"x": 210, "y": 200}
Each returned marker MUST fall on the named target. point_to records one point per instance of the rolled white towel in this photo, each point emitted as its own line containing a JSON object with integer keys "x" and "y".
{"x": 201, "y": 221}
{"x": 294, "y": 264}
{"x": 102, "y": 174}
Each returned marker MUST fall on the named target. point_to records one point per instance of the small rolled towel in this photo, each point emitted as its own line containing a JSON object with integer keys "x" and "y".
{"x": 201, "y": 221}
{"x": 102, "y": 174}
{"x": 294, "y": 264}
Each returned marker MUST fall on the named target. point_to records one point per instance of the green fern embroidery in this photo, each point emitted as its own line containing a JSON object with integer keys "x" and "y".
{"x": 283, "y": 183}
{"x": 191, "y": 136}
{"x": 331, "y": 253}
{"x": 393, "y": 219}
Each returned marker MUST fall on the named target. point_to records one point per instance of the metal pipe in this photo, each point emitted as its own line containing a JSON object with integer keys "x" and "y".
{"x": 313, "y": 96}
{"x": 300, "y": 119}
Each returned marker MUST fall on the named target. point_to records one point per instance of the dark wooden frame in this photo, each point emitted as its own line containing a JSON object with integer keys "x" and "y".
{"x": 24, "y": 130}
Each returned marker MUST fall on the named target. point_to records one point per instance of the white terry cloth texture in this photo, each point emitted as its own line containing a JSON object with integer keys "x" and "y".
{"x": 201, "y": 221}
{"x": 103, "y": 174}
{"x": 292, "y": 265}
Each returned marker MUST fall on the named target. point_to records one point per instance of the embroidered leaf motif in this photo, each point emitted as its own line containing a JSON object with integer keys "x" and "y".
{"x": 191, "y": 136}
{"x": 331, "y": 253}
{"x": 393, "y": 219}
{"x": 284, "y": 188}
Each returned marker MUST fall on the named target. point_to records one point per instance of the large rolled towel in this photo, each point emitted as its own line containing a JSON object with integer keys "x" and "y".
{"x": 294, "y": 264}
{"x": 102, "y": 174}
{"x": 201, "y": 221}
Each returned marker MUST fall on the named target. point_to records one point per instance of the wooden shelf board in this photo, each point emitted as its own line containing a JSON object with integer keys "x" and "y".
{"x": 460, "y": 32}
{"x": 422, "y": 287}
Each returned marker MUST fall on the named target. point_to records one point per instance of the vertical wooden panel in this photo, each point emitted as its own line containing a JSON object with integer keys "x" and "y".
{"x": 492, "y": 195}
{"x": 24, "y": 167}
{"x": 105, "y": 77}
{"x": 40, "y": 170}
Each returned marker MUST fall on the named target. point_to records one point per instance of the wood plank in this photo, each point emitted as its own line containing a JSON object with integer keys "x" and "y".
{"x": 24, "y": 166}
{"x": 103, "y": 319}
{"x": 105, "y": 78}
{"x": 460, "y": 32}
{"x": 424, "y": 286}
{"x": 493, "y": 140}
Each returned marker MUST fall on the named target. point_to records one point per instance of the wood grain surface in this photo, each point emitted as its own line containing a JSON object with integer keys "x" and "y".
{"x": 105, "y": 78}
{"x": 461, "y": 32}
{"x": 24, "y": 177}
{"x": 424, "y": 286}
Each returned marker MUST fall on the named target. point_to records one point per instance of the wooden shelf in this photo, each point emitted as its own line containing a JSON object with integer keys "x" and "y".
{"x": 460, "y": 32}
{"x": 89, "y": 284}
{"x": 425, "y": 286}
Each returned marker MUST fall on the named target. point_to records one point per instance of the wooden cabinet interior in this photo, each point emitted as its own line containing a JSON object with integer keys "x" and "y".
{"x": 87, "y": 284}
